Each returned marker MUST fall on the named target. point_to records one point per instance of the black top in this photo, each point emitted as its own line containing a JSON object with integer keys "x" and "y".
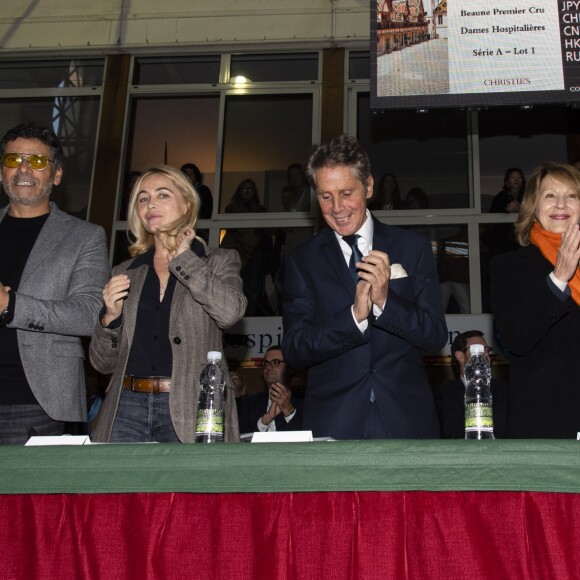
{"x": 502, "y": 199}
{"x": 541, "y": 330}
{"x": 151, "y": 353}
{"x": 206, "y": 201}
{"x": 17, "y": 238}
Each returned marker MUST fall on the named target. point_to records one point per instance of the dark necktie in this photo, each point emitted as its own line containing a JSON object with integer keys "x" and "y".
{"x": 356, "y": 255}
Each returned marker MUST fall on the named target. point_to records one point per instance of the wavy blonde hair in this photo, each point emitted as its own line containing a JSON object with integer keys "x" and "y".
{"x": 527, "y": 216}
{"x": 143, "y": 239}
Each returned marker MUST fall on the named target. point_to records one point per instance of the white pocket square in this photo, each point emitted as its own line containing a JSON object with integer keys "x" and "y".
{"x": 397, "y": 271}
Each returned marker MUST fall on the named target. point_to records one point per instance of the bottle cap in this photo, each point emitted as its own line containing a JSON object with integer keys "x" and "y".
{"x": 476, "y": 349}
{"x": 214, "y": 356}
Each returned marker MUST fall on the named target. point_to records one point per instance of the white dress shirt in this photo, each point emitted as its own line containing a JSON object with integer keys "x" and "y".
{"x": 365, "y": 245}
{"x": 272, "y": 425}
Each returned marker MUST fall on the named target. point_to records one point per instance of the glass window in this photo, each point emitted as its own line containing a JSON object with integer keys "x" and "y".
{"x": 267, "y": 139}
{"x": 494, "y": 239}
{"x": 261, "y": 251}
{"x": 171, "y": 70}
{"x": 514, "y": 138}
{"x": 174, "y": 131}
{"x": 451, "y": 254}
{"x": 74, "y": 120}
{"x": 121, "y": 247}
{"x": 269, "y": 68}
{"x": 359, "y": 67}
{"x": 426, "y": 153}
{"x": 51, "y": 74}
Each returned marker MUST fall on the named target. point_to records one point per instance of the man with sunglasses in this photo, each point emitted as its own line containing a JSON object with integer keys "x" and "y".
{"x": 450, "y": 397}
{"x": 53, "y": 268}
{"x": 275, "y": 409}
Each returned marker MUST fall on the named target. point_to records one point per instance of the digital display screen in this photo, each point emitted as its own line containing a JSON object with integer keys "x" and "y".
{"x": 470, "y": 53}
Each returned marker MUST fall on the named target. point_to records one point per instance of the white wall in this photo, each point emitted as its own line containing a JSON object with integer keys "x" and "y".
{"x": 117, "y": 25}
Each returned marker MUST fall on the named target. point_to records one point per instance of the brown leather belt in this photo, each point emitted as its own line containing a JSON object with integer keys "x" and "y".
{"x": 147, "y": 384}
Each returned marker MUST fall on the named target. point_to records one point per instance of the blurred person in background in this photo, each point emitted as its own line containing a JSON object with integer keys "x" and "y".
{"x": 274, "y": 409}
{"x": 206, "y": 200}
{"x": 388, "y": 195}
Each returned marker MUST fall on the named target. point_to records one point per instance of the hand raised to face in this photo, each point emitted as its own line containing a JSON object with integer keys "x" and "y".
{"x": 568, "y": 256}
{"x": 184, "y": 241}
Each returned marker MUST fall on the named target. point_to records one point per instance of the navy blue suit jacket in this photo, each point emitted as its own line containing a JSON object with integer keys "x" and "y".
{"x": 344, "y": 364}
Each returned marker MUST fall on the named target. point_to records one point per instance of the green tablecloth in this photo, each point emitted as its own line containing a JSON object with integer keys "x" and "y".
{"x": 516, "y": 465}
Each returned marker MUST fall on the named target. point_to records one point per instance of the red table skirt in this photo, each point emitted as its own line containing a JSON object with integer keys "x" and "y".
{"x": 350, "y": 535}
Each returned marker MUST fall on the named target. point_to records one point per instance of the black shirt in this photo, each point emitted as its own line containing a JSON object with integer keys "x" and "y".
{"x": 151, "y": 354}
{"x": 17, "y": 238}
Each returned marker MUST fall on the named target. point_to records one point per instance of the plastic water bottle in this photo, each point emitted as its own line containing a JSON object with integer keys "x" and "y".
{"x": 478, "y": 404}
{"x": 209, "y": 427}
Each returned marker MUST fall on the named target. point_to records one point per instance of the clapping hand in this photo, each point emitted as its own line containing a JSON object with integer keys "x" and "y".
{"x": 114, "y": 294}
{"x": 568, "y": 256}
{"x": 374, "y": 273}
{"x": 281, "y": 398}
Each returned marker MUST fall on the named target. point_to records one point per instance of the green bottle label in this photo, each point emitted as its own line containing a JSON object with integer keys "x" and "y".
{"x": 209, "y": 421}
{"x": 478, "y": 417}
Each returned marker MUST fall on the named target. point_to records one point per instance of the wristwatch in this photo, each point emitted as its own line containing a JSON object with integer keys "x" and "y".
{"x": 3, "y": 315}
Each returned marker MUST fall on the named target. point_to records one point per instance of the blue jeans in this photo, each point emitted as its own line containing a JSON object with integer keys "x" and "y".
{"x": 142, "y": 418}
{"x": 20, "y": 422}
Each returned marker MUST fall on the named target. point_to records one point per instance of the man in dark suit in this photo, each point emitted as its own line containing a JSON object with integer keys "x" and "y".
{"x": 275, "y": 409}
{"x": 53, "y": 268}
{"x": 361, "y": 340}
{"x": 450, "y": 397}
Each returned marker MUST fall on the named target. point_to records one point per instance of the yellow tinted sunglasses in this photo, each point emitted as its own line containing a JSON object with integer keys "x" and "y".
{"x": 36, "y": 162}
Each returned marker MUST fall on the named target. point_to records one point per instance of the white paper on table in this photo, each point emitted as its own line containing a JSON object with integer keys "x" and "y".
{"x": 282, "y": 436}
{"x": 58, "y": 440}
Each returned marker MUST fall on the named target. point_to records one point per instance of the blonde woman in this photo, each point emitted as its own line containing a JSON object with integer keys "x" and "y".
{"x": 535, "y": 295}
{"x": 164, "y": 310}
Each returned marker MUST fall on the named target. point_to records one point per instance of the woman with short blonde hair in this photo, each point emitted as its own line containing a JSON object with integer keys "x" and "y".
{"x": 165, "y": 309}
{"x": 144, "y": 239}
{"x": 535, "y": 294}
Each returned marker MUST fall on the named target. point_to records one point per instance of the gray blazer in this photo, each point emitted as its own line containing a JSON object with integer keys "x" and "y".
{"x": 208, "y": 298}
{"x": 58, "y": 300}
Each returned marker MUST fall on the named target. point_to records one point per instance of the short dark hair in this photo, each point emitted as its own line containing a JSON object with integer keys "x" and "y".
{"x": 294, "y": 166}
{"x": 194, "y": 168}
{"x": 274, "y": 347}
{"x": 460, "y": 342}
{"x": 34, "y": 131}
{"x": 340, "y": 150}
{"x": 420, "y": 196}
{"x": 290, "y": 372}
